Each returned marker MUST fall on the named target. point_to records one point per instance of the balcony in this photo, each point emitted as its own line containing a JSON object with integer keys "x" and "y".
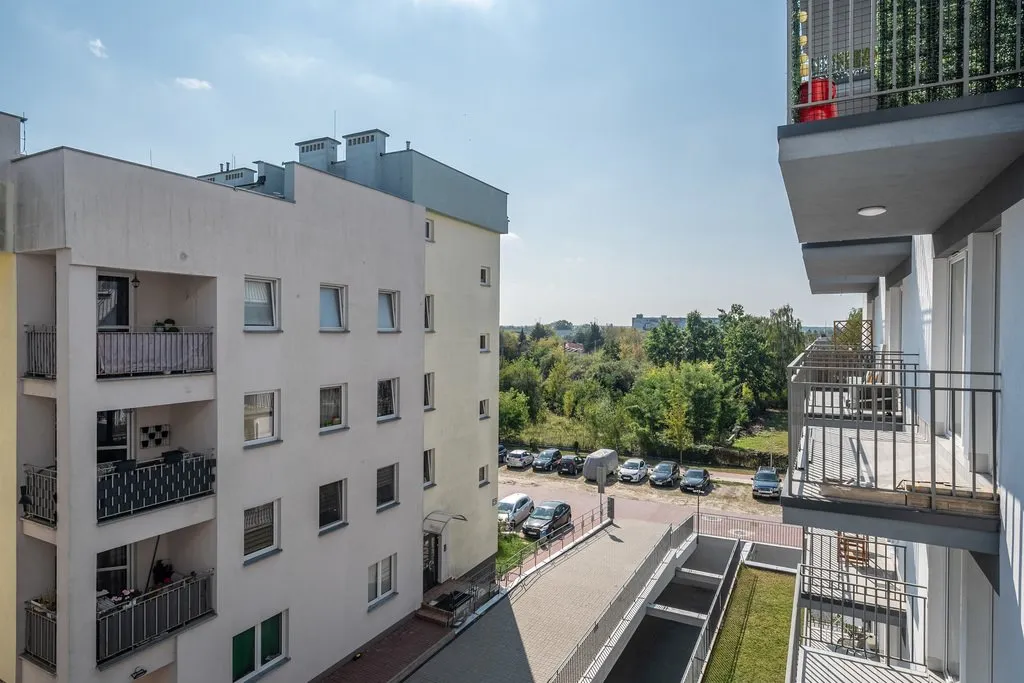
{"x": 911, "y": 105}
{"x": 125, "y": 623}
{"x": 39, "y": 495}
{"x": 41, "y": 633}
{"x": 129, "y": 487}
{"x": 879, "y": 446}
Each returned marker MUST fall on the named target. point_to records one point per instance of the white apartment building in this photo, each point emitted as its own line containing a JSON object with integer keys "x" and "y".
{"x": 909, "y": 189}
{"x": 211, "y": 418}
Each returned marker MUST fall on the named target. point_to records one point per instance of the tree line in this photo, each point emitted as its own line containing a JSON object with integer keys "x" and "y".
{"x": 657, "y": 393}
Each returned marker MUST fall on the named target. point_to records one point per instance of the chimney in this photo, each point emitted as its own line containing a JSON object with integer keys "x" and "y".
{"x": 363, "y": 152}
{"x": 408, "y": 145}
{"x": 227, "y": 165}
{"x": 222, "y": 167}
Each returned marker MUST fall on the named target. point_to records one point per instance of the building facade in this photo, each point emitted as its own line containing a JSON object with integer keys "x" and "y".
{"x": 220, "y": 475}
{"x": 903, "y": 444}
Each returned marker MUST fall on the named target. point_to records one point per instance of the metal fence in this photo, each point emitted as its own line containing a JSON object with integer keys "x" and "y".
{"x": 129, "y": 486}
{"x": 39, "y": 494}
{"x": 41, "y": 346}
{"x": 147, "y": 618}
{"x": 145, "y": 351}
{"x": 853, "y": 56}
{"x": 700, "y": 660}
{"x": 41, "y": 634}
{"x": 747, "y": 529}
{"x": 509, "y": 571}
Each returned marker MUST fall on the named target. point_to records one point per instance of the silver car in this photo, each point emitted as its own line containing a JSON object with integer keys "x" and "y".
{"x": 514, "y": 508}
{"x": 519, "y": 458}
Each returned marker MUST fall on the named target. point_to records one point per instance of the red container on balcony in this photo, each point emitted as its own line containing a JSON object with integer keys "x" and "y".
{"x": 821, "y": 89}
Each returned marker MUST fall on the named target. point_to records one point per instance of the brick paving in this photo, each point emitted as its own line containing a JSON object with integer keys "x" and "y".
{"x": 526, "y": 637}
{"x": 385, "y": 656}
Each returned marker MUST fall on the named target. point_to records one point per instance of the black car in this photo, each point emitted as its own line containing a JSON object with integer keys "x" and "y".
{"x": 695, "y": 480}
{"x": 766, "y": 484}
{"x": 502, "y": 454}
{"x": 547, "y": 460}
{"x": 571, "y": 464}
{"x": 547, "y": 518}
{"x": 665, "y": 473}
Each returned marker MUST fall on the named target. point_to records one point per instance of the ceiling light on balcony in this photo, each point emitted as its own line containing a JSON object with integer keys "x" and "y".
{"x": 870, "y": 211}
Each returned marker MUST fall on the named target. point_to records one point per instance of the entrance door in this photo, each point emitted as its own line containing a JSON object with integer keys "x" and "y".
{"x": 957, "y": 346}
{"x": 112, "y": 429}
{"x": 431, "y": 560}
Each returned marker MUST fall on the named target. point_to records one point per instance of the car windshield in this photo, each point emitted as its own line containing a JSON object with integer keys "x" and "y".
{"x": 766, "y": 477}
{"x": 504, "y": 507}
{"x": 546, "y": 455}
{"x": 543, "y": 513}
{"x": 663, "y": 467}
{"x": 631, "y": 465}
{"x": 694, "y": 474}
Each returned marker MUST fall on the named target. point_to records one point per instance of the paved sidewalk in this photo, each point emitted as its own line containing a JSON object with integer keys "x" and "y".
{"x": 526, "y": 637}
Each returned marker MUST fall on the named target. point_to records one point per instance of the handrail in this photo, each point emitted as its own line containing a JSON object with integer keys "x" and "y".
{"x": 171, "y": 478}
{"x": 518, "y": 561}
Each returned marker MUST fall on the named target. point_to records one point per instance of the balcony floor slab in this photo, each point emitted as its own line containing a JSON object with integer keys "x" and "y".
{"x": 822, "y": 666}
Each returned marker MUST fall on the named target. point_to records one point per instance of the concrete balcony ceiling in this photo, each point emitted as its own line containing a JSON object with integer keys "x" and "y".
{"x": 921, "y": 162}
{"x": 854, "y": 266}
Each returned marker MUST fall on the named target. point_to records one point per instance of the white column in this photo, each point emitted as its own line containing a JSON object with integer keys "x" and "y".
{"x": 980, "y": 349}
{"x": 975, "y": 623}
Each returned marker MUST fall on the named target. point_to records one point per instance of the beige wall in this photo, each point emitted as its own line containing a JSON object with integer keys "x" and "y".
{"x": 463, "y": 309}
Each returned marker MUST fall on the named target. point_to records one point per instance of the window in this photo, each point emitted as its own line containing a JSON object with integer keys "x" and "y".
{"x": 428, "y": 391}
{"x": 387, "y": 311}
{"x": 260, "y": 419}
{"x": 259, "y": 648}
{"x": 332, "y": 307}
{"x": 428, "y": 467}
{"x": 332, "y": 407}
{"x": 113, "y": 570}
{"x": 481, "y": 475}
{"x": 387, "y": 485}
{"x": 112, "y": 430}
{"x": 112, "y": 302}
{"x": 332, "y": 504}
{"x": 485, "y": 343}
{"x": 260, "y": 304}
{"x": 485, "y": 275}
{"x": 387, "y": 399}
{"x": 380, "y": 580}
{"x": 428, "y": 313}
{"x": 429, "y": 229}
{"x": 260, "y": 535}
{"x": 485, "y": 408}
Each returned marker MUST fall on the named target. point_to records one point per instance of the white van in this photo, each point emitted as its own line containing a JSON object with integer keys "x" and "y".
{"x": 605, "y": 457}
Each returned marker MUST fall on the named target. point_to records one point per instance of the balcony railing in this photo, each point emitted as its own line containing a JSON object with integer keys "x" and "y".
{"x": 41, "y": 634}
{"x": 39, "y": 495}
{"x": 127, "y": 487}
{"x": 148, "y": 618}
{"x": 145, "y": 351}
{"x": 872, "y": 427}
{"x": 853, "y": 56}
{"x": 41, "y": 344}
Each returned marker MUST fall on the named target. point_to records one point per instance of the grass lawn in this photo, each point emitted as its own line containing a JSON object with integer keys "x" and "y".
{"x": 753, "y": 642}
{"x": 508, "y": 546}
{"x": 771, "y": 436}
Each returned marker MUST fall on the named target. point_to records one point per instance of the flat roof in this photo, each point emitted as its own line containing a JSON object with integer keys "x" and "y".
{"x": 14, "y": 116}
{"x": 328, "y": 138}
{"x": 365, "y": 132}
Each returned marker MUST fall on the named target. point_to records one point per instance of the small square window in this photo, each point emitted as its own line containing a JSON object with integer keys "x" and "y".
{"x": 260, "y": 417}
{"x": 261, "y": 531}
{"x": 428, "y": 390}
{"x": 259, "y": 648}
{"x": 387, "y": 311}
{"x": 261, "y": 297}
{"x": 485, "y": 276}
{"x": 429, "y": 229}
{"x": 332, "y": 504}
{"x": 428, "y": 467}
{"x": 428, "y": 313}
{"x": 481, "y": 474}
{"x": 380, "y": 577}
{"x": 485, "y": 408}
{"x": 387, "y": 485}
{"x": 387, "y": 399}
{"x": 485, "y": 343}
{"x": 332, "y": 307}
{"x": 333, "y": 407}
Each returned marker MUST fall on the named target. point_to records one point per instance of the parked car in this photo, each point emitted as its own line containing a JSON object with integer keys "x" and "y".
{"x": 571, "y": 464}
{"x": 514, "y": 508}
{"x": 604, "y": 457}
{"x": 665, "y": 473}
{"x": 766, "y": 483}
{"x": 695, "y": 481}
{"x": 633, "y": 470}
{"x": 547, "y": 518}
{"x": 547, "y": 460}
{"x": 519, "y": 458}
{"x": 502, "y": 453}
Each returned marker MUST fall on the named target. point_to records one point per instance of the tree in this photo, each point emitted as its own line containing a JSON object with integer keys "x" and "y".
{"x": 539, "y": 332}
{"x": 702, "y": 392}
{"x": 561, "y": 325}
{"x": 746, "y": 360}
{"x": 508, "y": 345}
{"x": 852, "y": 334}
{"x": 784, "y": 341}
{"x": 611, "y": 349}
{"x": 555, "y": 386}
{"x": 701, "y": 340}
{"x": 590, "y": 336}
{"x": 677, "y": 429}
{"x": 524, "y": 377}
{"x": 664, "y": 344}
{"x": 513, "y": 414}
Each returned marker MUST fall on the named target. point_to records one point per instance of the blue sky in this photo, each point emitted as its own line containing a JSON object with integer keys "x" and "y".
{"x": 636, "y": 139}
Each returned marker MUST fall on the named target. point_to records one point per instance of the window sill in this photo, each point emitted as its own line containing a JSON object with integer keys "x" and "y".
{"x": 261, "y": 444}
{"x": 485, "y": 350}
{"x": 389, "y": 331}
{"x": 391, "y": 418}
{"x": 257, "y": 675}
{"x": 483, "y": 484}
{"x": 429, "y": 485}
{"x": 429, "y": 409}
{"x": 262, "y": 556}
{"x": 387, "y": 506}
{"x": 485, "y": 284}
{"x": 334, "y": 330}
{"x": 485, "y": 417}
{"x": 380, "y": 601}
{"x": 430, "y": 331}
{"x": 263, "y": 330}
{"x": 334, "y": 526}
{"x": 333, "y": 429}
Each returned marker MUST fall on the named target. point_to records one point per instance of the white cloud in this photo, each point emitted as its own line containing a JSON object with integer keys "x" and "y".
{"x": 288, "y": 63}
{"x": 97, "y": 48}
{"x": 192, "y": 83}
{"x": 574, "y": 260}
{"x": 470, "y": 4}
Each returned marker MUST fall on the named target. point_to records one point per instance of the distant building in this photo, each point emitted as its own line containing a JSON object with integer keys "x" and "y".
{"x": 643, "y": 324}
{"x": 573, "y": 347}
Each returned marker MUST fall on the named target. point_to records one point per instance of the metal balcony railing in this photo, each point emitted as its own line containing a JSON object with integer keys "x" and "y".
{"x": 145, "y": 351}
{"x": 148, "y": 618}
{"x": 127, "y": 487}
{"x": 875, "y": 428}
{"x": 41, "y": 345}
{"x": 852, "y": 56}
{"x": 41, "y": 634}
{"x": 39, "y": 494}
